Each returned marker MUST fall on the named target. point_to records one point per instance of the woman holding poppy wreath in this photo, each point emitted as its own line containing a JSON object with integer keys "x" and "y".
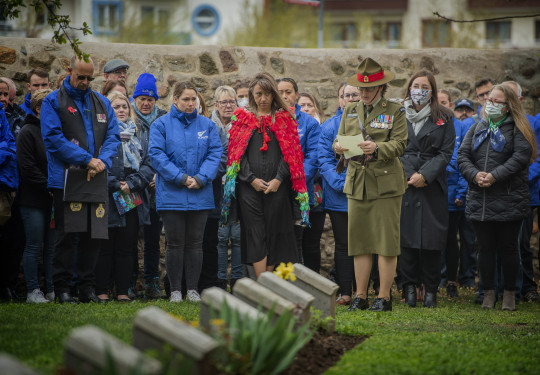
{"x": 265, "y": 157}
{"x": 424, "y": 211}
{"x": 375, "y": 181}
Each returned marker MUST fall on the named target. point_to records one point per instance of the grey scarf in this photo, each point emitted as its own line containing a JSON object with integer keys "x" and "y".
{"x": 417, "y": 119}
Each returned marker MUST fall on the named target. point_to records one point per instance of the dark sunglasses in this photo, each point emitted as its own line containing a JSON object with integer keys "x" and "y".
{"x": 82, "y": 78}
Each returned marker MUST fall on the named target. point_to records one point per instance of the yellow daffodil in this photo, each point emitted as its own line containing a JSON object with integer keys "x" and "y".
{"x": 285, "y": 271}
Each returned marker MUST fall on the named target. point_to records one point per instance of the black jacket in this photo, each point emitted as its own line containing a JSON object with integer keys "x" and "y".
{"x": 508, "y": 198}
{"x": 32, "y": 162}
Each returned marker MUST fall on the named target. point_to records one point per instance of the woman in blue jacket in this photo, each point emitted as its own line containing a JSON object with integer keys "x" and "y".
{"x": 185, "y": 151}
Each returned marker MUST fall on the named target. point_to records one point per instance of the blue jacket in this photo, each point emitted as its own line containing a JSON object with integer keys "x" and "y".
{"x": 60, "y": 151}
{"x": 534, "y": 168}
{"x": 182, "y": 145}
{"x": 457, "y": 185}
{"x": 308, "y": 131}
{"x": 25, "y": 106}
{"x": 9, "y": 175}
{"x": 334, "y": 199}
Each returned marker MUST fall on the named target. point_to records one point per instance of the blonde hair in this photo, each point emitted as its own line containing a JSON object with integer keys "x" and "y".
{"x": 37, "y": 98}
{"x": 113, "y": 95}
{"x": 515, "y": 109}
{"x": 316, "y": 103}
{"x": 225, "y": 90}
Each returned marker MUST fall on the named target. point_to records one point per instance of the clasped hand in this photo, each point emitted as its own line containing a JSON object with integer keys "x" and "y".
{"x": 94, "y": 167}
{"x": 268, "y": 187}
{"x": 192, "y": 183}
{"x": 484, "y": 179}
{"x": 417, "y": 180}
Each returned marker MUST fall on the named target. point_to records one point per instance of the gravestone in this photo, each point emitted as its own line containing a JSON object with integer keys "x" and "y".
{"x": 301, "y": 299}
{"x": 255, "y": 294}
{"x": 213, "y": 299}
{"x": 87, "y": 350}
{"x": 154, "y": 328}
{"x": 11, "y": 366}
{"x": 319, "y": 287}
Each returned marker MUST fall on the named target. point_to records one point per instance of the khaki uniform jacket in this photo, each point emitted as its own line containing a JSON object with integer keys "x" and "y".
{"x": 383, "y": 177}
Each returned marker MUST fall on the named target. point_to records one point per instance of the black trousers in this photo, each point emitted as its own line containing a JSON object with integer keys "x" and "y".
{"x": 116, "y": 256}
{"x": 344, "y": 263}
{"x": 498, "y": 237}
{"x": 526, "y": 254}
{"x": 209, "y": 269}
{"x": 421, "y": 266}
{"x": 311, "y": 241}
{"x": 452, "y": 246}
{"x": 87, "y": 253}
{"x": 12, "y": 241}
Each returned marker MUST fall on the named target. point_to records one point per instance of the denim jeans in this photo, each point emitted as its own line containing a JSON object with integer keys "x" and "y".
{"x": 231, "y": 231}
{"x": 39, "y": 235}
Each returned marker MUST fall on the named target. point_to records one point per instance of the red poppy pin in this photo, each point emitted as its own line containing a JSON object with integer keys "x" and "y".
{"x": 72, "y": 110}
{"x": 440, "y": 122}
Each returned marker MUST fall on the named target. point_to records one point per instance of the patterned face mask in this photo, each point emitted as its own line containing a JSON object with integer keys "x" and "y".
{"x": 243, "y": 102}
{"x": 494, "y": 109}
{"x": 420, "y": 96}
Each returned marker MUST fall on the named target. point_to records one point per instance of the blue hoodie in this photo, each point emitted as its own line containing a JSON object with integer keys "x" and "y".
{"x": 60, "y": 150}
{"x": 9, "y": 175}
{"x": 334, "y": 199}
{"x": 308, "y": 132}
{"x": 26, "y": 105}
{"x": 457, "y": 185}
{"x": 181, "y": 145}
{"x": 534, "y": 168}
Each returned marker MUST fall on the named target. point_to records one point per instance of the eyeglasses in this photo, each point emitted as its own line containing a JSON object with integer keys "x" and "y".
{"x": 493, "y": 101}
{"x": 82, "y": 78}
{"x": 354, "y": 95}
{"x": 483, "y": 94}
{"x": 120, "y": 71}
{"x": 225, "y": 103}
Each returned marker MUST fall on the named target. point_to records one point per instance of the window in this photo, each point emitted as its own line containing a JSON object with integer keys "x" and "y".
{"x": 435, "y": 34}
{"x": 498, "y": 32}
{"x": 388, "y": 33}
{"x": 344, "y": 34}
{"x": 205, "y": 20}
{"x": 157, "y": 16}
{"x": 537, "y": 31}
{"x": 107, "y": 16}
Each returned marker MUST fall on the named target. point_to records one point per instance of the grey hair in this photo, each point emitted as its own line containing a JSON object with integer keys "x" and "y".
{"x": 519, "y": 90}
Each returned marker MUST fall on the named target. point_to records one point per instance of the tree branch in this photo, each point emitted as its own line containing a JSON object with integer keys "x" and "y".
{"x": 485, "y": 19}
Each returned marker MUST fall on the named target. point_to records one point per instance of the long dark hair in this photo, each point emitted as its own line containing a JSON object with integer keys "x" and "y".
{"x": 438, "y": 111}
{"x": 268, "y": 84}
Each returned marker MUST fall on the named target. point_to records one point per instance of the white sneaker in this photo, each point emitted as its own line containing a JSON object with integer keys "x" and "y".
{"x": 193, "y": 296}
{"x": 176, "y": 296}
{"x": 36, "y": 297}
{"x": 50, "y": 296}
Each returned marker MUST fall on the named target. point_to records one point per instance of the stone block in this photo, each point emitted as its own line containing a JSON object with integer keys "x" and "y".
{"x": 41, "y": 60}
{"x": 10, "y": 365}
{"x": 256, "y": 294}
{"x": 301, "y": 299}
{"x": 212, "y": 299}
{"x": 229, "y": 65}
{"x": 207, "y": 65}
{"x": 319, "y": 287}
{"x": 156, "y": 329}
{"x": 180, "y": 64}
{"x": 277, "y": 65}
{"x": 88, "y": 349}
{"x": 7, "y": 55}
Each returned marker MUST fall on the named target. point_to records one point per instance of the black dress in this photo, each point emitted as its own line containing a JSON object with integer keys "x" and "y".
{"x": 267, "y": 220}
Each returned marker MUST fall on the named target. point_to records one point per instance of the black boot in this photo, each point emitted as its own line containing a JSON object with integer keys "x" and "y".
{"x": 410, "y": 294}
{"x": 430, "y": 300}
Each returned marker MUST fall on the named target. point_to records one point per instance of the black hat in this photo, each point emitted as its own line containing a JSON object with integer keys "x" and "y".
{"x": 464, "y": 103}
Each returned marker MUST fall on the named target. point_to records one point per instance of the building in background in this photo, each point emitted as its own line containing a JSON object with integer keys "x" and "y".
{"x": 407, "y": 24}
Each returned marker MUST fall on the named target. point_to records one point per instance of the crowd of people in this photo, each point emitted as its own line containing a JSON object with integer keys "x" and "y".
{"x": 431, "y": 194}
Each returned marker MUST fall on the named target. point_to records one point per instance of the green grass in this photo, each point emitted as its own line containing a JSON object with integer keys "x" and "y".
{"x": 456, "y": 338}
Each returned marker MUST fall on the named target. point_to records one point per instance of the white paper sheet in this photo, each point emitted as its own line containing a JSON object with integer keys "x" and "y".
{"x": 351, "y": 142}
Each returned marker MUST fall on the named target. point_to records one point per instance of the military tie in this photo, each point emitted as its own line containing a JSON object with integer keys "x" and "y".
{"x": 368, "y": 110}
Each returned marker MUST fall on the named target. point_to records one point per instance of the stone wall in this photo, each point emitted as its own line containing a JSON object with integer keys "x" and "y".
{"x": 317, "y": 71}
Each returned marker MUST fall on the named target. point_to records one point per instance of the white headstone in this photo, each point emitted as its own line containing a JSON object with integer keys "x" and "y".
{"x": 257, "y": 295}
{"x": 88, "y": 348}
{"x": 11, "y": 366}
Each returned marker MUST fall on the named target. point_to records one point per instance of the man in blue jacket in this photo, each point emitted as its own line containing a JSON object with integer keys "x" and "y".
{"x": 79, "y": 128}
{"x": 38, "y": 79}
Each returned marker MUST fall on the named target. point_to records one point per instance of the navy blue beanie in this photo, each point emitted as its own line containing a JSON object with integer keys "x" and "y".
{"x": 146, "y": 85}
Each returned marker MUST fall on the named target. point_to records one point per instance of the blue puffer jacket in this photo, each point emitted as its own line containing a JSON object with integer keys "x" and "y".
{"x": 60, "y": 150}
{"x": 182, "y": 145}
{"x": 25, "y": 106}
{"x": 334, "y": 199}
{"x": 9, "y": 175}
{"x": 534, "y": 168}
{"x": 457, "y": 185}
{"x": 308, "y": 131}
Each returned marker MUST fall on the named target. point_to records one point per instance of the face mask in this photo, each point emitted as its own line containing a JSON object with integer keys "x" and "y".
{"x": 420, "y": 96}
{"x": 243, "y": 102}
{"x": 494, "y": 109}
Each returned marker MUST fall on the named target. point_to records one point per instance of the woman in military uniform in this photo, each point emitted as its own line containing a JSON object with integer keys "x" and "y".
{"x": 375, "y": 181}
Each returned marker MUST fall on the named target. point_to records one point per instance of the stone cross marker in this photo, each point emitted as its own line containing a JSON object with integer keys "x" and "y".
{"x": 10, "y": 365}
{"x": 213, "y": 298}
{"x": 88, "y": 348}
{"x": 301, "y": 299}
{"x": 154, "y": 328}
{"x": 256, "y": 294}
{"x": 320, "y": 287}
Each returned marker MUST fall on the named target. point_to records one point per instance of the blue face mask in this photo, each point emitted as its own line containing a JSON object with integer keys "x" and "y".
{"x": 420, "y": 96}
